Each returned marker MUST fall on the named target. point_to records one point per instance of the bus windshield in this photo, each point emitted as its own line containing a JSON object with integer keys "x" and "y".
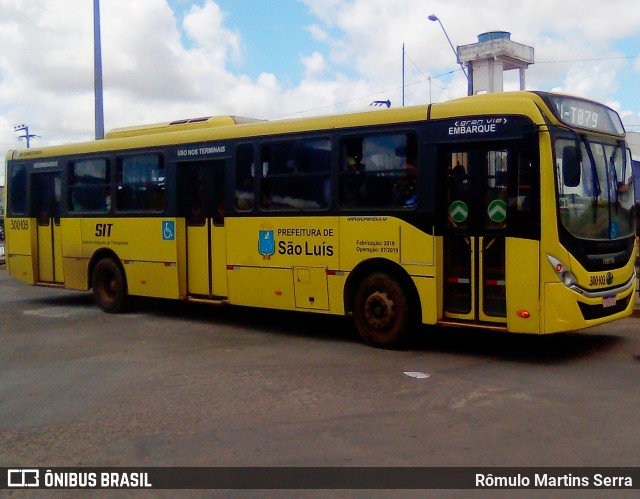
{"x": 595, "y": 188}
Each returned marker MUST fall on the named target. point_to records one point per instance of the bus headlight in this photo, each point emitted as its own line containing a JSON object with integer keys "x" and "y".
{"x": 564, "y": 274}
{"x": 568, "y": 279}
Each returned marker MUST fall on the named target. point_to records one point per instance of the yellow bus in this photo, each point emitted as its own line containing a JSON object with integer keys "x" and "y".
{"x": 511, "y": 212}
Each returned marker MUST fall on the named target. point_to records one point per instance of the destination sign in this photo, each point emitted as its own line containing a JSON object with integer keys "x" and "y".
{"x": 586, "y": 114}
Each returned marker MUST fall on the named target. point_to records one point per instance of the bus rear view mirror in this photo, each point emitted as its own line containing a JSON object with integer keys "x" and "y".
{"x": 570, "y": 166}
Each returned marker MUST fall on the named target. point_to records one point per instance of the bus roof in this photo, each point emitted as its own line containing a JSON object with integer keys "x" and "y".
{"x": 220, "y": 128}
{"x": 231, "y": 127}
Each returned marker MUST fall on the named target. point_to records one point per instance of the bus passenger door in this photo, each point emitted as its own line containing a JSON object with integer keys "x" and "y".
{"x": 202, "y": 194}
{"x": 475, "y": 236}
{"x": 46, "y": 191}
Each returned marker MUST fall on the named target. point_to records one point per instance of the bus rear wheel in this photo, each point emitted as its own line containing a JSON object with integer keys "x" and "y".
{"x": 109, "y": 286}
{"x": 381, "y": 311}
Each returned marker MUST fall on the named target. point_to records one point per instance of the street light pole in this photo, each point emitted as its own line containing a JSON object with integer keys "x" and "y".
{"x": 97, "y": 71}
{"x": 434, "y": 18}
{"x": 403, "y": 75}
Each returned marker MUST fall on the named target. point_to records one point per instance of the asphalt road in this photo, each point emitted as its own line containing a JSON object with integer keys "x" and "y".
{"x": 177, "y": 384}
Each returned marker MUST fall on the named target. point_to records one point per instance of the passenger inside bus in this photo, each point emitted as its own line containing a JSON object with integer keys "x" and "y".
{"x": 353, "y": 181}
{"x": 405, "y": 192}
{"x": 458, "y": 177}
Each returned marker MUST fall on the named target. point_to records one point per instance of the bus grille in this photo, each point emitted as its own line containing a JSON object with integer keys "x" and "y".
{"x": 590, "y": 312}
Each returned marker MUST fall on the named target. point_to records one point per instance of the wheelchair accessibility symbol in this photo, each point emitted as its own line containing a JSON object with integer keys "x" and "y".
{"x": 168, "y": 230}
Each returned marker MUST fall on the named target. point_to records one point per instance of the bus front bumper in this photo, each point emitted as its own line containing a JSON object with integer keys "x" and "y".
{"x": 568, "y": 310}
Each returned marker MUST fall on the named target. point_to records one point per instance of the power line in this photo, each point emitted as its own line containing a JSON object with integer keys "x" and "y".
{"x": 428, "y": 77}
{"x": 336, "y": 104}
{"x": 414, "y": 64}
{"x": 588, "y": 60}
{"x": 365, "y": 97}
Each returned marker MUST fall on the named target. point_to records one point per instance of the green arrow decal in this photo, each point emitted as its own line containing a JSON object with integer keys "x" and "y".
{"x": 458, "y": 211}
{"x": 497, "y": 210}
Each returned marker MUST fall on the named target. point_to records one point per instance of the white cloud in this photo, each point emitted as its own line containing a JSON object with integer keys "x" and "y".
{"x": 318, "y": 33}
{"x": 315, "y": 64}
{"x": 205, "y": 26}
{"x": 596, "y": 81}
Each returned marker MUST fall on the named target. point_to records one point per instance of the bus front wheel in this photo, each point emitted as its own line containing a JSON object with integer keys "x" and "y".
{"x": 381, "y": 311}
{"x": 109, "y": 286}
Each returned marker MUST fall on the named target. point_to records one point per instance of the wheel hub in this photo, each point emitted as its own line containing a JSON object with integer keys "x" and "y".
{"x": 379, "y": 310}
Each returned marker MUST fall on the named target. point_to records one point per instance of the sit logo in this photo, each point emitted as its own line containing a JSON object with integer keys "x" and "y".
{"x": 266, "y": 243}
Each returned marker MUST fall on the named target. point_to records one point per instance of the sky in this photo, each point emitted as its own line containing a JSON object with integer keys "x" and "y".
{"x": 273, "y": 59}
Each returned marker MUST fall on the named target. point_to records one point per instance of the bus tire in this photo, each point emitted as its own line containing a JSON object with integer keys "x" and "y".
{"x": 109, "y": 286}
{"x": 381, "y": 311}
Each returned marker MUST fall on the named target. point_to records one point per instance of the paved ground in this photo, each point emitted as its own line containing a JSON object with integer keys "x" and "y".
{"x": 175, "y": 384}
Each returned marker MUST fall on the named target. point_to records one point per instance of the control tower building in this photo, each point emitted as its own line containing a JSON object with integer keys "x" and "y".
{"x": 488, "y": 59}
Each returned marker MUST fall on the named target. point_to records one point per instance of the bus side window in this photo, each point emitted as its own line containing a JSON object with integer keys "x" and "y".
{"x": 523, "y": 202}
{"x": 352, "y": 174}
{"x": 380, "y": 171}
{"x": 17, "y": 199}
{"x": 245, "y": 177}
{"x": 525, "y": 183}
{"x": 296, "y": 175}
{"x": 89, "y": 186}
{"x": 140, "y": 183}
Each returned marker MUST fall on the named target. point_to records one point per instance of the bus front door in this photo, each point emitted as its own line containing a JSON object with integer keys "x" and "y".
{"x": 475, "y": 237}
{"x": 45, "y": 198}
{"x": 202, "y": 192}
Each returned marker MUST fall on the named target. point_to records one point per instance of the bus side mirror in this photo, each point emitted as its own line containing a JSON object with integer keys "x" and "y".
{"x": 570, "y": 166}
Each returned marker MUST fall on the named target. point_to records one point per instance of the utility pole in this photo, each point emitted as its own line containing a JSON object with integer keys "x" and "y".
{"x": 97, "y": 71}
{"x": 403, "y": 75}
{"x": 27, "y": 136}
